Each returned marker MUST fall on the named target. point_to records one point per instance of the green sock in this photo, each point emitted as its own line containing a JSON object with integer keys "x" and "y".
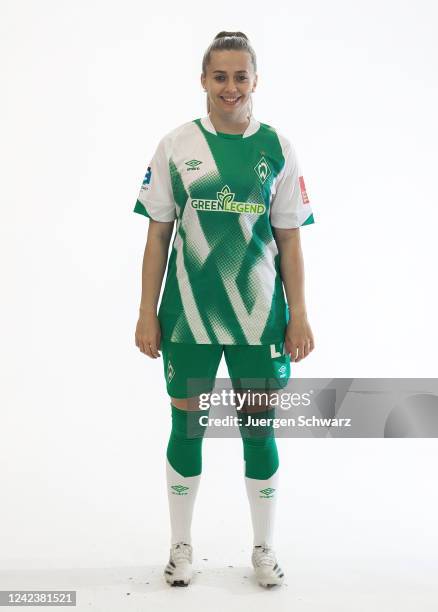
{"x": 259, "y": 447}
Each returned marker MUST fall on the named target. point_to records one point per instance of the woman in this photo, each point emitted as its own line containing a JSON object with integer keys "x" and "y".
{"x": 235, "y": 189}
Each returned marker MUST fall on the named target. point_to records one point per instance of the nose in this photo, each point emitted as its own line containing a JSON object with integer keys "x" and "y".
{"x": 230, "y": 87}
{"x": 230, "y": 91}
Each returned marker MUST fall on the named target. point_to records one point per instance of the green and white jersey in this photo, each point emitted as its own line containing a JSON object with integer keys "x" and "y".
{"x": 226, "y": 193}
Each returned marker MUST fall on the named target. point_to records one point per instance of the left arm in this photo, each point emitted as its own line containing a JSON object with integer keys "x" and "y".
{"x": 299, "y": 338}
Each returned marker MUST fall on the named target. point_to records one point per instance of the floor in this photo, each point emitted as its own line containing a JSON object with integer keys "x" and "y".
{"x": 311, "y": 585}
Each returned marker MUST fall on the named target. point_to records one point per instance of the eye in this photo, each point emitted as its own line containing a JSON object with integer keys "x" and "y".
{"x": 241, "y": 77}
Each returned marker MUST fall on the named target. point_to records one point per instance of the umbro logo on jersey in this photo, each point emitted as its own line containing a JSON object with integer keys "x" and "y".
{"x": 262, "y": 170}
{"x": 225, "y": 203}
{"x": 193, "y": 164}
{"x": 179, "y": 490}
{"x": 267, "y": 493}
{"x": 170, "y": 372}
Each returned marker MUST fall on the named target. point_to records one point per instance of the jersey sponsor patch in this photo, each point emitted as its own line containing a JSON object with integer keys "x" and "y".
{"x": 225, "y": 203}
{"x": 303, "y": 190}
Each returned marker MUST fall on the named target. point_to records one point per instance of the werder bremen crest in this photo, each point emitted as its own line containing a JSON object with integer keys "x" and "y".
{"x": 262, "y": 170}
{"x": 225, "y": 203}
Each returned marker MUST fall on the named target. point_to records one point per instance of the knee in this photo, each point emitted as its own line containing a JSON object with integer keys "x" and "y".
{"x": 187, "y": 424}
{"x": 189, "y": 403}
{"x": 259, "y": 447}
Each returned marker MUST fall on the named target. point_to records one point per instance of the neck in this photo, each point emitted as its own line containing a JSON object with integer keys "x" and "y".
{"x": 229, "y": 125}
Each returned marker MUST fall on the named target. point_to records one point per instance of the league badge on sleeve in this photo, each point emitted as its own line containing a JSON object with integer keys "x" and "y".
{"x": 303, "y": 190}
{"x": 147, "y": 179}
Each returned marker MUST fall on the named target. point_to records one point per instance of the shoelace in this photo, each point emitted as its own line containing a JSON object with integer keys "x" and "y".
{"x": 181, "y": 551}
{"x": 264, "y": 556}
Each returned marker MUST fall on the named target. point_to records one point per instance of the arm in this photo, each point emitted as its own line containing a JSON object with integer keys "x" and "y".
{"x": 299, "y": 338}
{"x": 148, "y": 332}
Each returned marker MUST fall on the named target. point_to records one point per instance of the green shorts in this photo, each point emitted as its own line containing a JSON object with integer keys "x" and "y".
{"x": 190, "y": 369}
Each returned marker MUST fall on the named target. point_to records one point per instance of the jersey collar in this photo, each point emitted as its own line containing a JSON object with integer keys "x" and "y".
{"x": 250, "y": 130}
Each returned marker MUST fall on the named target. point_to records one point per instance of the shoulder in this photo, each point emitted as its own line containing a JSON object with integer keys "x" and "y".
{"x": 278, "y": 133}
{"x": 176, "y": 134}
{"x": 282, "y": 141}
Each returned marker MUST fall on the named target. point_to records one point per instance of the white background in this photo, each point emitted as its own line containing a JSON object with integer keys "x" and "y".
{"x": 88, "y": 89}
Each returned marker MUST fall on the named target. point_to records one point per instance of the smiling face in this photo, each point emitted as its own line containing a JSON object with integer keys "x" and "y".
{"x": 229, "y": 81}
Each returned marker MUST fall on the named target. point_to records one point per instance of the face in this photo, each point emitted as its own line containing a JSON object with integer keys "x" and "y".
{"x": 229, "y": 81}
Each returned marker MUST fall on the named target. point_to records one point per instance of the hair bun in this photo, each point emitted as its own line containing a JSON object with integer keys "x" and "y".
{"x": 223, "y": 34}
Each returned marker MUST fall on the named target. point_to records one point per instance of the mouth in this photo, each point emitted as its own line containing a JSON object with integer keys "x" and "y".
{"x": 230, "y": 101}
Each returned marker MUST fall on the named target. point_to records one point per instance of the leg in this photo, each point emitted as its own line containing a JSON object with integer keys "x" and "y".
{"x": 264, "y": 368}
{"x": 183, "y": 362}
{"x": 183, "y": 468}
{"x": 261, "y": 471}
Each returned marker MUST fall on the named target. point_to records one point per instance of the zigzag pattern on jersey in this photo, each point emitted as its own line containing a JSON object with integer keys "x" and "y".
{"x": 239, "y": 251}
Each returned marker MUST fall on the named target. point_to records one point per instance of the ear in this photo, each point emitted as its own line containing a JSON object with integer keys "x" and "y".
{"x": 254, "y": 85}
{"x": 203, "y": 81}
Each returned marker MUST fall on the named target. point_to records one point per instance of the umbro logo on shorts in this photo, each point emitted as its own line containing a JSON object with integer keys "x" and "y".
{"x": 282, "y": 371}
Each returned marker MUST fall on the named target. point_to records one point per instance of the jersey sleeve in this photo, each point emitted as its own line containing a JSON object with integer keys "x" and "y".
{"x": 155, "y": 199}
{"x": 290, "y": 204}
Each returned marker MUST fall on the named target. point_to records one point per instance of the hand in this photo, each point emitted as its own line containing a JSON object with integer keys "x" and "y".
{"x": 299, "y": 338}
{"x": 148, "y": 335}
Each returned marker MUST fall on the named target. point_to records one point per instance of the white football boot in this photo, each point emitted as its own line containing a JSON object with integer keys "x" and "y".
{"x": 267, "y": 570}
{"x": 178, "y": 571}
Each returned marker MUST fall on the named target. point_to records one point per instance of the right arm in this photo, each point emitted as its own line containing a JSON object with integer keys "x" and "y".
{"x": 148, "y": 332}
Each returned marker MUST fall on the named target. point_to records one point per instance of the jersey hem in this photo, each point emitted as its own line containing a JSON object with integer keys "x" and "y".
{"x": 264, "y": 343}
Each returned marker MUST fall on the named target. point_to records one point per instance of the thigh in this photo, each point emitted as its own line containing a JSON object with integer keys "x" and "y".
{"x": 190, "y": 369}
{"x": 264, "y": 367}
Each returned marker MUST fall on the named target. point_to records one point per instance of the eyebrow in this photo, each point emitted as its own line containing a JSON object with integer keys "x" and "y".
{"x": 225, "y": 72}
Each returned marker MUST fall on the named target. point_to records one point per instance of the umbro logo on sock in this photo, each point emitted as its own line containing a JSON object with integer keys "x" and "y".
{"x": 267, "y": 493}
{"x": 179, "y": 489}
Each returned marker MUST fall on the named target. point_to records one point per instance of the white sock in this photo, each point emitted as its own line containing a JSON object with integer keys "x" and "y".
{"x": 181, "y": 493}
{"x": 262, "y": 496}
